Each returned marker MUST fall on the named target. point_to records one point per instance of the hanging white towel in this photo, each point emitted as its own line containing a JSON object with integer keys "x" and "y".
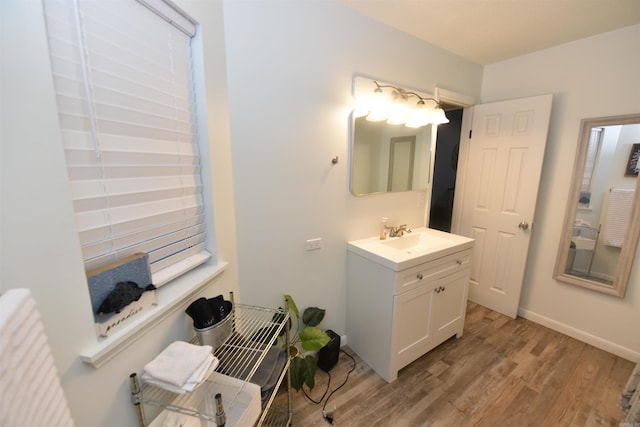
{"x": 617, "y": 216}
{"x": 181, "y": 367}
{"x": 30, "y": 389}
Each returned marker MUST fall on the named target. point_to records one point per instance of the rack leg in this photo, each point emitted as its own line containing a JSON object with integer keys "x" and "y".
{"x": 135, "y": 397}
{"x": 288, "y": 341}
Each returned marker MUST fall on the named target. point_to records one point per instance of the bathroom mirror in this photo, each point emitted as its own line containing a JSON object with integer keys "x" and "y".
{"x": 387, "y": 158}
{"x": 602, "y": 220}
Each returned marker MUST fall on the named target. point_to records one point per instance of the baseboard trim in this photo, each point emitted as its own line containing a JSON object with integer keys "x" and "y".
{"x": 599, "y": 342}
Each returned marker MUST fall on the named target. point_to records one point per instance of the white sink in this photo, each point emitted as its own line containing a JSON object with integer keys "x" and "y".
{"x": 419, "y": 246}
{"x": 584, "y": 243}
{"x": 416, "y": 242}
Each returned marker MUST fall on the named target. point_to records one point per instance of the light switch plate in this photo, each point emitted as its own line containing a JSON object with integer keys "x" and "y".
{"x": 312, "y": 244}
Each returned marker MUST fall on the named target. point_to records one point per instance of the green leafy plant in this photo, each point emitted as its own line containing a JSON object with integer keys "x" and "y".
{"x": 311, "y": 338}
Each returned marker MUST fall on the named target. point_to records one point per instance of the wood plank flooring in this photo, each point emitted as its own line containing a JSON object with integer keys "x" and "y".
{"x": 501, "y": 372}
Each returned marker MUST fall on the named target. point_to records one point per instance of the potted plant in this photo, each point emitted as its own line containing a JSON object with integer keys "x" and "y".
{"x": 306, "y": 337}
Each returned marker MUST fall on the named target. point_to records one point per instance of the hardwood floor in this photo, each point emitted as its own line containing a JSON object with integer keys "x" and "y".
{"x": 501, "y": 372}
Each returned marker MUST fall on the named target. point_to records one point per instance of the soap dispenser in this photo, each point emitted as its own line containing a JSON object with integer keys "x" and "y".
{"x": 383, "y": 228}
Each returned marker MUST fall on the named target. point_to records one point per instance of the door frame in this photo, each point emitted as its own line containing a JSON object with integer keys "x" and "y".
{"x": 393, "y": 145}
{"x": 466, "y": 103}
{"x": 461, "y": 175}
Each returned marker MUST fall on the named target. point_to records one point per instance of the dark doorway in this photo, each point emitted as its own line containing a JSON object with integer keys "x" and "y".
{"x": 444, "y": 171}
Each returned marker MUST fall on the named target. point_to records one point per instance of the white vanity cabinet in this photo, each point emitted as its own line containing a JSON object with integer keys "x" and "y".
{"x": 394, "y": 317}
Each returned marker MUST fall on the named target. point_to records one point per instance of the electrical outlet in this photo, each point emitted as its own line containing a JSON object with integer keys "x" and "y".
{"x": 312, "y": 244}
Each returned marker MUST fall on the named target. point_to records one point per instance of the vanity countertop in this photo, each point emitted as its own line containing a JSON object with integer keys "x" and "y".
{"x": 420, "y": 246}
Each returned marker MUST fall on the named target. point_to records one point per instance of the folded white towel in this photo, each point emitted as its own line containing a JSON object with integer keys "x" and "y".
{"x": 194, "y": 382}
{"x": 181, "y": 367}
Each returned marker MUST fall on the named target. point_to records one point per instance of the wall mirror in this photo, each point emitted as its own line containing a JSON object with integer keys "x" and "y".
{"x": 388, "y": 157}
{"x": 602, "y": 221}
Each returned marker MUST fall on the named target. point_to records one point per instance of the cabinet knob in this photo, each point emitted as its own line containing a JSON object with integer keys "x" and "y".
{"x": 459, "y": 261}
{"x": 419, "y": 276}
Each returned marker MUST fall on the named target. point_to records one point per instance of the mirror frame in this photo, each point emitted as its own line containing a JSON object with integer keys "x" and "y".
{"x": 628, "y": 251}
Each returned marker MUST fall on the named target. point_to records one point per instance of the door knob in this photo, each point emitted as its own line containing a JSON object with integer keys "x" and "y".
{"x": 523, "y": 225}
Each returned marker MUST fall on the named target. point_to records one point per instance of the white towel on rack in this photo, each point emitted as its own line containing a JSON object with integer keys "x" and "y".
{"x": 618, "y": 216}
{"x": 30, "y": 389}
{"x": 181, "y": 367}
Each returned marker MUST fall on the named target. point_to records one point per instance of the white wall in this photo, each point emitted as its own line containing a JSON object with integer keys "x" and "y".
{"x": 290, "y": 68}
{"x": 39, "y": 247}
{"x": 593, "y": 77}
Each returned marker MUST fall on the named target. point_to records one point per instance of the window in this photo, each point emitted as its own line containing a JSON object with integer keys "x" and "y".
{"x": 123, "y": 76}
{"x": 595, "y": 141}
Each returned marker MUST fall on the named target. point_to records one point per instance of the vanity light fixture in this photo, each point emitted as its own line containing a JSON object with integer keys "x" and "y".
{"x": 396, "y": 109}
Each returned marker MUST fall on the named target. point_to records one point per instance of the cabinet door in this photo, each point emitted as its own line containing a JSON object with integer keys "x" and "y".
{"x": 449, "y": 305}
{"x": 411, "y": 328}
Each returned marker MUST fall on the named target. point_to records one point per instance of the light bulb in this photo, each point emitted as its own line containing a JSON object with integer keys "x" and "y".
{"x": 438, "y": 117}
{"x": 399, "y": 110}
{"x": 378, "y": 106}
{"x": 419, "y": 116}
{"x": 360, "y": 108}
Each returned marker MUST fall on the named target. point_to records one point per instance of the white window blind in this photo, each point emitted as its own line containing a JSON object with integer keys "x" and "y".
{"x": 123, "y": 76}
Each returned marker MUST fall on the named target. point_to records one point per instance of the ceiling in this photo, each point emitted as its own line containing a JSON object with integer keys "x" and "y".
{"x": 488, "y": 31}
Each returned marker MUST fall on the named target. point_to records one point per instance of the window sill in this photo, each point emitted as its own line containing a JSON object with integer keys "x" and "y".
{"x": 169, "y": 298}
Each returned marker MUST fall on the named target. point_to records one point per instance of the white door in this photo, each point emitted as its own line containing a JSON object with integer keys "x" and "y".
{"x": 502, "y": 167}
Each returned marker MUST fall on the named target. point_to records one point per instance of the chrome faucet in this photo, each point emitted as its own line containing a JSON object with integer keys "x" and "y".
{"x": 398, "y": 231}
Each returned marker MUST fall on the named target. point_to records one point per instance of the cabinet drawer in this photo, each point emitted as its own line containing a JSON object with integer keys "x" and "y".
{"x": 423, "y": 274}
